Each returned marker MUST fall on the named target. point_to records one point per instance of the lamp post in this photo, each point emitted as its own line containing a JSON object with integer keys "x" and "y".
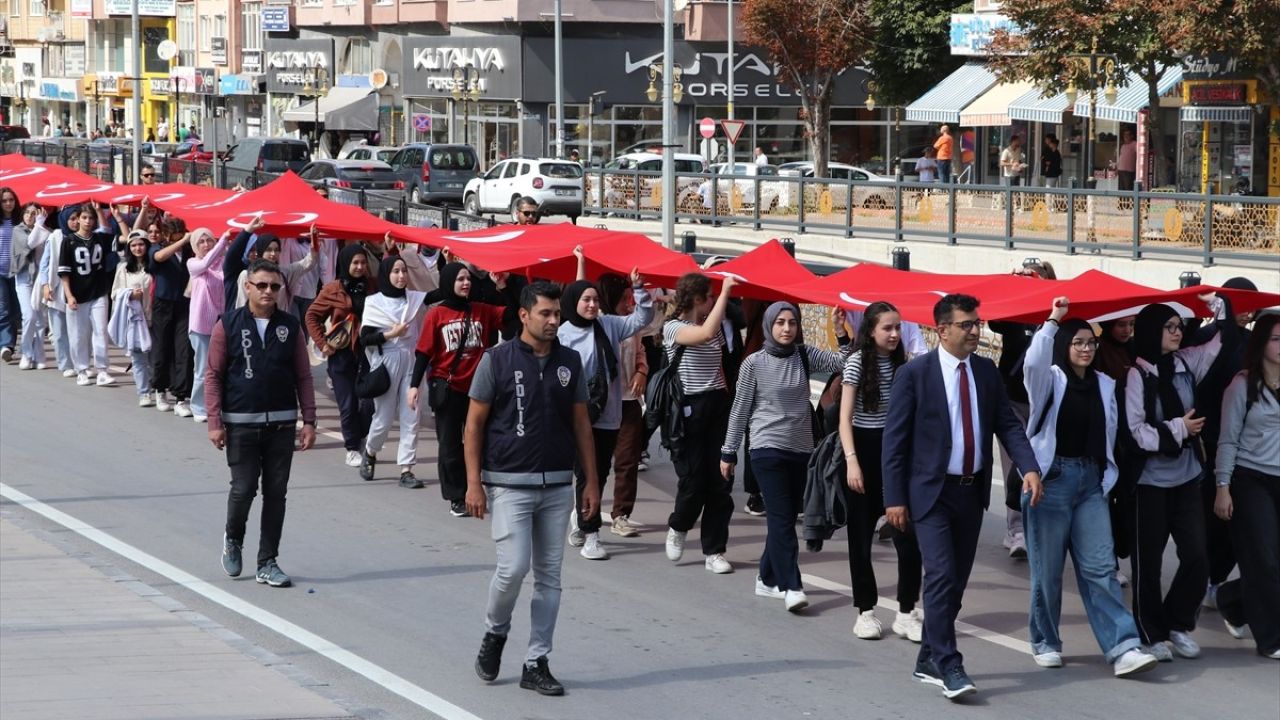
{"x": 316, "y": 87}
{"x": 466, "y": 87}
{"x": 1093, "y": 64}
{"x": 670, "y": 82}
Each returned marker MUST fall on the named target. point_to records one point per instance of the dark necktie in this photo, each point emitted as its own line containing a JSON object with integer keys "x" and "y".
{"x": 966, "y": 419}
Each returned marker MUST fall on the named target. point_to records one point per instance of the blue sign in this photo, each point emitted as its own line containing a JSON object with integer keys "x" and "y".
{"x": 275, "y": 19}
{"x": 237, "y": 85}
{"x": 971, "y": 33}
{"x": 53, "y": 91}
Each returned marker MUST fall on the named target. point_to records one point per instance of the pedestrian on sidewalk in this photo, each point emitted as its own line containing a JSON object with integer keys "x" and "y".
{"x": 526, "y": 426}
{"x": 29, "y": 237}
{"x": 131, "y": 293}
{"x": 50, "y": 289}
{"x": 171, "y": 361}
{"x": 633, "y": 366}
{"x": 943, "y": 487}
{"x": 11, "y": 218}
{"x": 945, "y": 145}
{"x": 258, "y": 380}
{"x": 864, "y": 404}
{"x": 86, "y": 266}
{"x": 1073, "y": 434}
{"x": 205, "y": 269}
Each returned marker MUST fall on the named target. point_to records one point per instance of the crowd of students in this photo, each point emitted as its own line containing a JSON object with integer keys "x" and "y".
{"x": 1146, "y": 432}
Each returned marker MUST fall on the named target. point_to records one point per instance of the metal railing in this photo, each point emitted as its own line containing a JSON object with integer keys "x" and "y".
{"x": 1137, "y": 224}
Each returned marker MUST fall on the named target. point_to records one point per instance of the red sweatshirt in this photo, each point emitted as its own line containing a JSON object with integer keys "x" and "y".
{"x": 442, "y": 332}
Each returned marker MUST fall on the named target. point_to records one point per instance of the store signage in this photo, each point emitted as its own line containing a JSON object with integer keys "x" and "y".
{"x": 291, "y": 63}
{"x": 63, "y": 90}
{"x": 219, "y": 50}
{"x": 1217, "y": 94}
{"x": 149, "y": 8}
{"x": 237, "y": 85}
{"x": 81, "y": 8}
{"x": 494, "y": 64}
{"x": 251, "y": 61}
{"x": 1214, "y": 66}
{"x": 972, "y": 33}
{"x": 206, "y": 81}
{"x": 160, "y": 86}
{"x": 113, "y": 83}
{"x": 275, "y": 19}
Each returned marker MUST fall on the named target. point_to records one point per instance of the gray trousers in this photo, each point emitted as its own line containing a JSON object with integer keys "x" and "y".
{"x": 529, "y": 529}
{"x": 393, "y": 405}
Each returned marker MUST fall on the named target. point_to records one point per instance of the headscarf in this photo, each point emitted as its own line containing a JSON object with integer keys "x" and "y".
{"x": 772, "y": 346}
{"x": 569, "y": 311}
{"x": 259, "y": 242}
{"x": 384, "y": 277}
{"x": 449, "y": 276}
{"x": 1148, "y": 334}
{"x": 356, "y": 288}
{"x": 1240, "y": 283}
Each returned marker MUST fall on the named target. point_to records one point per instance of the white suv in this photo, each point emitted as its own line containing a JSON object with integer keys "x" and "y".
{"x": 555, "y": 184}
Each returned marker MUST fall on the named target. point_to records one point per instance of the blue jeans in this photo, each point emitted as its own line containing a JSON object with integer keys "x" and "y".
{"x": 1073, "y": 516}
{"x": 141, "y": 361}
{"x": 10, "y": 312}
{"x": 200, "y": 350}
{"x": 61, "y": 339}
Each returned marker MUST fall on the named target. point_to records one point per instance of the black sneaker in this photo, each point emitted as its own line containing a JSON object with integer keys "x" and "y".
{"x": 408, "y": 480}
{"x": 538, "y": 677}
{"x": 272, "y": 575}
{"x": 490, "y": 657}
{"x": 231, "y": 562}
{"x": 755, "y": 505}
{"x": 367, "y": 463}
{"x": 926, "y": 672}
{"x": 458, "y": 508}
{"x": 956, "y": 684}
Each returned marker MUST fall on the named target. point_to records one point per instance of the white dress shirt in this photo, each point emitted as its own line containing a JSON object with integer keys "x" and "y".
{"x": 951, "y": 381}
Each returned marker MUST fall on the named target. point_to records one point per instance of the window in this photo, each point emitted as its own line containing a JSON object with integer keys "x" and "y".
{"x": 206, "y": 32}
{"x": 186, "y": 34}
{"x": 37, "y": 8}
{"x": 251, "y": 26}
{"x": 312, "y": 3}
{"x": 219, "y": 29}
{"x": 359, "y": 56}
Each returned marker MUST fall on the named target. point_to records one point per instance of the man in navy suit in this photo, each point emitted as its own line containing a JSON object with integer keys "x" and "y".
{"x": 943, "y": 411}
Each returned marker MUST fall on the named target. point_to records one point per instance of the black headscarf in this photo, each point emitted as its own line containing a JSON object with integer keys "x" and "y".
{"x": 569, "y": 311}
{"x": 449, "y": 276}
{"x": 356, "y": 288}
{"x": 384, "y": 276}
{"x": 1148, "y": 335}
{"x": 1081, "y": 390}
{"x": 771, "y": 346}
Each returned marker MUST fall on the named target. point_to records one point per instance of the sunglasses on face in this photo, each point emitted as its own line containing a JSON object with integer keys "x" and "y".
{"x": 529, "y": 213}
{"x": 147, "y": 175}
{"x": 265, "y": 286}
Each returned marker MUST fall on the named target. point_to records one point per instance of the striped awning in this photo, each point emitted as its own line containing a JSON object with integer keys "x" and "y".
{"x": 1129, "y": 99}
{"x": 1239, "y": 114}
{"x": 944, "y": 102}
{"x": 992, "y": 107}
{"x": 1035, "y": 107}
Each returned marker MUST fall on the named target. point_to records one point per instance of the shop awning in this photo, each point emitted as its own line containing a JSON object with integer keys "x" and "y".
{"x": 944, "y": 102}
{"x": 343, "y": 108}
{"x": 1129, "y": 99}
{"x": 992, "y": 107}
{"x": 1035, "y": 107}
{"x": 1241, "y": 114}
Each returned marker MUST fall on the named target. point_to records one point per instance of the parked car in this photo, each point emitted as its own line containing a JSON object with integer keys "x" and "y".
{"x": 863, "y": 196}
{"x": 185, "y": 153}
{"x": 270, "y": 155}
{"x": 621, "y": 186}
{"x": 435, "y": 173}
{"x": 13, "y": 132}
{"x": 352, "y": 174}
{"x": 739, "y": 177}
{"x": 371, "y": 152}
{"x": 555, "y": 184}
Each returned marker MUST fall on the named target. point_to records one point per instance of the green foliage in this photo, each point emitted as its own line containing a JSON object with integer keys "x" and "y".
{"x": 911, "y": 53}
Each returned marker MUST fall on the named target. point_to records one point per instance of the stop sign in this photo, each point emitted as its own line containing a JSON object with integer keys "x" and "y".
{"x": 707, "y": 127}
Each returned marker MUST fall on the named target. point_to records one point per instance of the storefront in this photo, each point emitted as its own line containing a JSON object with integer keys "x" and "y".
{"x": 243, "y": 100}
{"x": 110, "y": 91}
{"x": 59, "y": 98}
{"x": 1224, "y": 133}
{"x": 157, "y": 88}
{"x": 297, "y": 71}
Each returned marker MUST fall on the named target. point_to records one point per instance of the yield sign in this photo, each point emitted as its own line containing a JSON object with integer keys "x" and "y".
{"x": 733, "y": 129}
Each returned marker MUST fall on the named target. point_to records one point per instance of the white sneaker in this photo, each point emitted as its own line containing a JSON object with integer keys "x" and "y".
{"x": 145, "y": 400}
{"x": 69, "y": 373}
{"x": 718, "y": 565}
{"x": 576, "y": 538}
{"x": 909, "y": 625}
{"x": 200, "y": 418}
{"x": 82, "y": 379}
{"x": 182, "y": 409}
{"x": 24, "y": 363}
{"x": 1274, "y": 654}
{"x": 675, "y": 544}
{"x": 1160, "y": 651}
{"x": 353, "y": 458}
{"x": 622, "y": 527}
{"x": 1237, "y": 631}
{"x": 163, "y": 403}
{"x": 1134, "y": 661}
{"x": 1049, "y": 659}
{"x": 1210, "y": 597}
{"x": 867, "y": 626}
{"x": 768, "y": 591}
{"x": 796, "y": 600}
{"x": 6, "y": 354}
{"x": 1017, "y": 545}
{"x": 105, "y": 379}
{"x": 1183, "y": 645}
{"x": 592, "y": 549}
{"x": 42, "y": 366}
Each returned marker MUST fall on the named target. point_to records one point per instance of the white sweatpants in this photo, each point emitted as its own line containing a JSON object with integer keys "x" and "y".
{"x": 87, "y": 327}
{"x": 393, "y": 405}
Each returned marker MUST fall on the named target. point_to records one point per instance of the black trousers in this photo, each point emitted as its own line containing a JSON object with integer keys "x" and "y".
{"x": 605, "y": 441}
{"x": 701, "y": 490}
{"x": 1217, "y": 533}
{"x": 451, "y": 463}
{"x": 171, "y": 361}
{"x": 253, "y": 452}
{"x": 864, "y": 510}
{"x": 1254, "y": 599}
{"x": 354, "y": 413}
{"x": 948, "y": 537}
{"x": 1161, "y": 513}
{"x": 782, "y": 481}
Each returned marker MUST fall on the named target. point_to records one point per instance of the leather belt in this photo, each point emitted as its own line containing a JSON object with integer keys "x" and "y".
{"x": 962, "y": 479}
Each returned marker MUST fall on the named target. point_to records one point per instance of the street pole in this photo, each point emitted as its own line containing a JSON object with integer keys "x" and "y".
{"x": 731, "y": 64}
{"x": 559, "y": 83}
{"x": 137, "y": 89}
{"x": 668, "y": 136}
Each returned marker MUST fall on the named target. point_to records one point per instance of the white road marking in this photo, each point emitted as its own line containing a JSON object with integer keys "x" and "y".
{"x": 375, "y": 673}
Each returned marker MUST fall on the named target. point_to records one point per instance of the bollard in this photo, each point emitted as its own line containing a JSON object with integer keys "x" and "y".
{"x": 901, "y": 258}
{"x": 789, "y": 245}
{"x": 1190, "y": 278}
{"x": 689, "y": 242}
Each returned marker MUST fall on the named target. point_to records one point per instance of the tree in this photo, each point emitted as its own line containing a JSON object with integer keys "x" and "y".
{"x": 812, "y": 41}
{"x": 1244, "y": 29}
{"x": 911, "y": 53}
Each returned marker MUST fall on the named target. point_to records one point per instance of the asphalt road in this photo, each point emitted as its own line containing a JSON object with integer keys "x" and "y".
{"x": 385, "y": 576}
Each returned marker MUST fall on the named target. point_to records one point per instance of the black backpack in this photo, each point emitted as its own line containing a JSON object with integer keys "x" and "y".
{"x": 664, "y": 402}
{"x": 816, "y": 416}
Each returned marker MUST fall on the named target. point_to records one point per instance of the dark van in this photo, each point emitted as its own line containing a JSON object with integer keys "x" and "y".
{"x": 265, "y": 155}
{"x": 435, "y": 174}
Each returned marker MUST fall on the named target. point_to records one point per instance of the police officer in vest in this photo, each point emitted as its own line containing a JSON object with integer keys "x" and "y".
{"x": 528, "y": 418}
{"x": 258, "y": 377}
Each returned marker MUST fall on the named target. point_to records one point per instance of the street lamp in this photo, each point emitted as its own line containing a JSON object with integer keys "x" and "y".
{"x": 316, "y": 87}
{"x": 871, "y": 89}
{"x": 1092, "y": 64}
{"x": 466, "y": 87}
{"x": 677, "y": 87}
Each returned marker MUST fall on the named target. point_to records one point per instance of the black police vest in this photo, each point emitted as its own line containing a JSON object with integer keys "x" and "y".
{"x": 261, "y": 385}
{"x": 530, "y": 428}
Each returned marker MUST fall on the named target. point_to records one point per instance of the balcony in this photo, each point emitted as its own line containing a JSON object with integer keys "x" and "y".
{"x": 322, "y": 13}
{"x": 532, "y": 11}
{"x": 424, "y": 11}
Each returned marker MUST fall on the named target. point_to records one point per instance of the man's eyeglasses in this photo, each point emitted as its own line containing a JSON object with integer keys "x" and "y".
{"x": 1174, "y": 327}
{"x": 265, "y": 286}
{"x": 1089, "y": 344}
{"x": 966, "y": 325}
{"x": 529, "y": 213}
{"x": 147, "y": 175}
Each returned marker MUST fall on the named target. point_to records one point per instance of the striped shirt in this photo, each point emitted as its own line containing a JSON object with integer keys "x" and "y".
{"x": 773, "y": 396}
{"x": 862, "y": 417}
{"x": 701, "y": 367}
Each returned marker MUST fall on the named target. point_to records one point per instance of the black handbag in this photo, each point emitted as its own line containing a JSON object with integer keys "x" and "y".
{"x": 372, "y": 382}
{"x": 664, "y": 402}
{"x": 438, "y": 388}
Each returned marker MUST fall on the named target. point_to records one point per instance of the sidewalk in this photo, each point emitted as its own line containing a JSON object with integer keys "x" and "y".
{"x": 77, "y": 644}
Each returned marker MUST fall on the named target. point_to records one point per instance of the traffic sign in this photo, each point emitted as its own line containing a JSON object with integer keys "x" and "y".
{"x": 732, "y": 129}
{"x": 707, "y": 127}
{"x": 422, "y": 122}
